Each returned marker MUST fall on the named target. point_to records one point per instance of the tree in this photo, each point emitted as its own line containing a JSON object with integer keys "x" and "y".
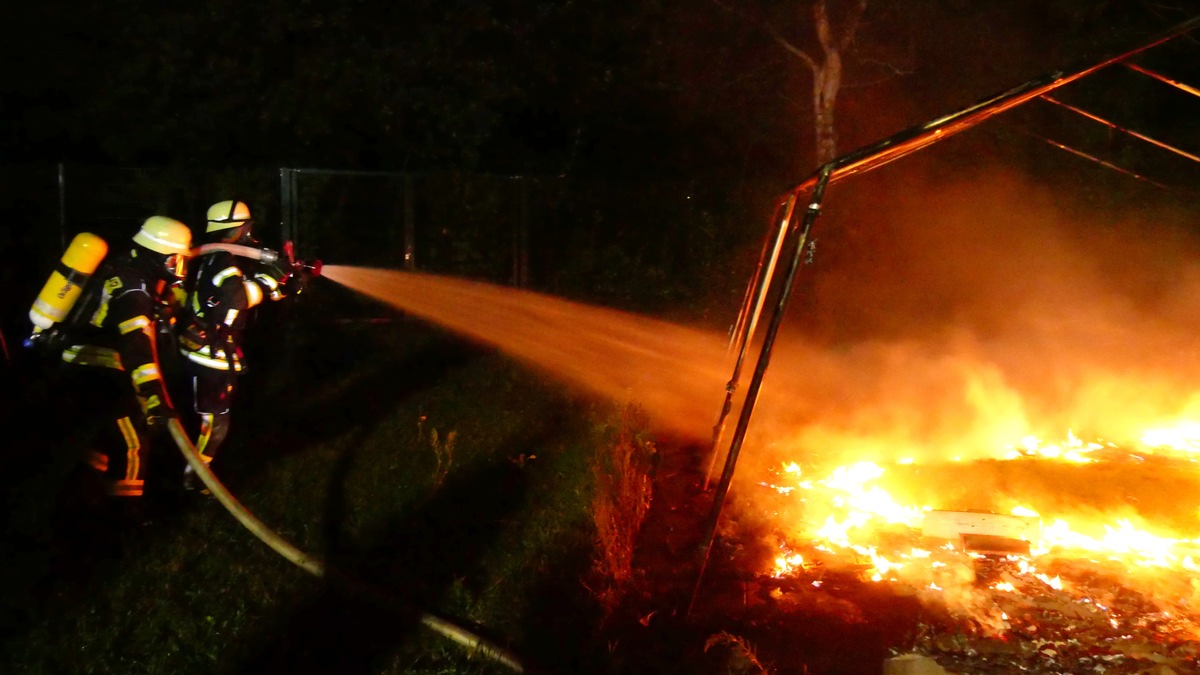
{"x": 826, "y": 67}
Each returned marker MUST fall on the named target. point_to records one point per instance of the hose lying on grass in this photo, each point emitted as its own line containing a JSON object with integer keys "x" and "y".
{"x": 315, "y": 566}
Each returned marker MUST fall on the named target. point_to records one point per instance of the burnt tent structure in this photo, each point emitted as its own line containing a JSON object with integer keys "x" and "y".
{"x": 797, "y": 210}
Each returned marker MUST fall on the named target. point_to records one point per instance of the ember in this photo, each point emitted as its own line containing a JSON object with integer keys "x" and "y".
{"x": 1041, "y": 588}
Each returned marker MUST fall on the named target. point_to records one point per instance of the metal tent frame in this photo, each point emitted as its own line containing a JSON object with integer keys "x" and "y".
{"x": 789, "y": 224}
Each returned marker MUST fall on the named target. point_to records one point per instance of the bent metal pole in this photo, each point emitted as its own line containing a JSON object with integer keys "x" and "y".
{"x": 764, "y": 358}
{"x": 315, "y": 566}
{"x": 756, "y": 293}
{"x": 873, "y": 156}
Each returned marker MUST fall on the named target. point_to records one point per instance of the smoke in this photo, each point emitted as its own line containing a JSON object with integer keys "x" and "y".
{"x": 942, "y": 321}
{"x": 949, "y": 321}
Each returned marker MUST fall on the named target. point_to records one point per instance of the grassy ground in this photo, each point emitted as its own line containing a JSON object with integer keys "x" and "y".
{"x": 432, "y": 470}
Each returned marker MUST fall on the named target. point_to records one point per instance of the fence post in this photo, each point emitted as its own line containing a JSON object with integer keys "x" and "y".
{"x": 520, "y": 276}
{"x": 287, "y": 225}
{"x": 410, "y": 228}
{"x": 62, "y": 206}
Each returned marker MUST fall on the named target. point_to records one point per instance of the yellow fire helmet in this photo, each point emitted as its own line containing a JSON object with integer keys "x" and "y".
{"x": 227, "y": 214}
{"x": 165, "y": 235}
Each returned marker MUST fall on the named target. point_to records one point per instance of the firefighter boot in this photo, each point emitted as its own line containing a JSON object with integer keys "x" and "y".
{"x": 192, "y": 482}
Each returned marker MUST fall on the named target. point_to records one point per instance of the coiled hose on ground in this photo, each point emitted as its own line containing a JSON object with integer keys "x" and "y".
{"x": 315, "y": 566}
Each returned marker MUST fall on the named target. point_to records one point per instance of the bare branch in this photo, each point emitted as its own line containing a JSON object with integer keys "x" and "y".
{"x": 851, "y": 26}
{"x": 821, "y": 19}
{"x": 766, "y": 26}
{"x": 796, "y": 51}
{"x": 870, "y": 83}
{"x": 896, "y": 70}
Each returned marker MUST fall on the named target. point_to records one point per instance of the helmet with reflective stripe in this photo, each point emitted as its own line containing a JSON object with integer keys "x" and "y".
{"x": 164, "y": 235}
{"x": 227, "y": 214}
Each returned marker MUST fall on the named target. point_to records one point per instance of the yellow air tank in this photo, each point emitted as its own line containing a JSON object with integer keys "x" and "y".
{"x": 63, "y": 288}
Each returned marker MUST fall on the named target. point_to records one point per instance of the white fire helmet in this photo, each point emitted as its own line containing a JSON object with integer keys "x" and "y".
{"x": 170, "y": 238}
{"x": 165, "y": 235}
{"x": 227, "y": 214}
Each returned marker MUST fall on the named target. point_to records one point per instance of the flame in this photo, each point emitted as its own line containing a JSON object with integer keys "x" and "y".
{"x": 853, "y": 516}
{"x": 1071, "y": 450}
{"x": 1183, "y": 438}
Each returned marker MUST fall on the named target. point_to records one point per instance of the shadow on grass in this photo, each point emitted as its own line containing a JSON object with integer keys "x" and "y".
{"x": 331, "y": 380}
{"x": 561, "y": 620}
{"x": 30, "y": 472}
{"x": 414, "y": 562}
{"x": 60, "y": 537}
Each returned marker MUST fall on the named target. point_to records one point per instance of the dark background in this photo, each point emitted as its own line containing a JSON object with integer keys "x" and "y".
{"x": 641, "y": 144}
{"x": 651, "y": 90}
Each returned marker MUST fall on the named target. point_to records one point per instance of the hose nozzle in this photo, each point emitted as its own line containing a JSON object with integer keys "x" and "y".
{"x": 268, "y": 256}
{"x": 312, "y": 268}
{"x": 301, "y": 266}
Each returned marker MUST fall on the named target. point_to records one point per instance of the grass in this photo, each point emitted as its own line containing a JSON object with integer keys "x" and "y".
{"x": 621, "y": 502}
{"x": 433, "y": 470}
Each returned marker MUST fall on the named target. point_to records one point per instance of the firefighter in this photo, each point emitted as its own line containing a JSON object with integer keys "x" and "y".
{"x": 134, "y": 304}
{"x": 226, "y": 286}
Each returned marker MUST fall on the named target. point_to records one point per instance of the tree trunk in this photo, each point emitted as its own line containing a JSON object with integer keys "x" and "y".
{"x": 826, "y": 79}
{"x": 827, "y": 76}
{"x": 827, "y": 72}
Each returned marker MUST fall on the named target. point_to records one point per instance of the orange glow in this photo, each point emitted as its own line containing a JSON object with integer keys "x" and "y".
{"x": 861, "y": 516}
{"x": 677, "y": 373}
{"x": 1121, "y": 500}
{"x": 970, "y": 345}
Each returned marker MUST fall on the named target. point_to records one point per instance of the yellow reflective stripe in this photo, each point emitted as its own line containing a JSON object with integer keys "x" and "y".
{"x": 254, "y": 294}
{"x": 272, "y": 284}
{"x": 98, "y": 461}
{"x": 225, "y": 274}
{"x": 51, "y": 312}
{"x": 230, "y": 317}
{"x": 127, "y": 488}
{"x": 100, "y": 315}
{"x": 136, "y": 323}
{"x": 133, "y": 462}
{"x": 267, "y": 280}
{"x": 146, "y": 373}
{"x": 87, "y": 355}
{"x": 217, "y": 363}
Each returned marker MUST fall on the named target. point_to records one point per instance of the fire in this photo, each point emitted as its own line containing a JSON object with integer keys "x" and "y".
{"x": 862, "y": 516}
{"x": 1072, "y": 450}
{"x": 1183, "y": 438}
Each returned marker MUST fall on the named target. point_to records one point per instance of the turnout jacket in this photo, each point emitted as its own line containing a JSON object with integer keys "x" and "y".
{"x": 122, "y": 332}
{"x": 225, "y": 288}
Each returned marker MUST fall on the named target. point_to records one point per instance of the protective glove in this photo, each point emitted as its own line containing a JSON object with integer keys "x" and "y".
{"x": 48, "y": 343}
{"x": 158, "y": 420}
{"x": 293, "y": 284}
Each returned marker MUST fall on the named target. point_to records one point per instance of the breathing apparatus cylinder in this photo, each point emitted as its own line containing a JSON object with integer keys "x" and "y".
{"x": 66, "y": 282}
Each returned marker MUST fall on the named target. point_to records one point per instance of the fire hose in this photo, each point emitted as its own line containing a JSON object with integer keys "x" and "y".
{"x": 317, "y": 567}
{"x": 314, "y": 566}
{"x": 264, "y": 255}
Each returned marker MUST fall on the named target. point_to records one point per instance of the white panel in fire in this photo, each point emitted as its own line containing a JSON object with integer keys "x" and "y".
{"x": 958, "y": 524}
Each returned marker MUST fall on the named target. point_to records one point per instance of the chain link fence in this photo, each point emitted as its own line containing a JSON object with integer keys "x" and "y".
{"x": 617, "y": 242}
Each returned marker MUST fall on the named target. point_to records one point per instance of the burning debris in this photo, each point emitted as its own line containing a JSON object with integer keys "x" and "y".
{"x": 1015, "y": 592}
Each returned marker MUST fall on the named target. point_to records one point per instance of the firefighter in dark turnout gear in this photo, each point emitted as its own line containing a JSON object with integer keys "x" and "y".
{"x": 226, "y": 286}
{"x": 136, "y": 303}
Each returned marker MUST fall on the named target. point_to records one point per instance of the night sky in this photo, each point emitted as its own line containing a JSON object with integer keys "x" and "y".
{"x": 666, "y": 88}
